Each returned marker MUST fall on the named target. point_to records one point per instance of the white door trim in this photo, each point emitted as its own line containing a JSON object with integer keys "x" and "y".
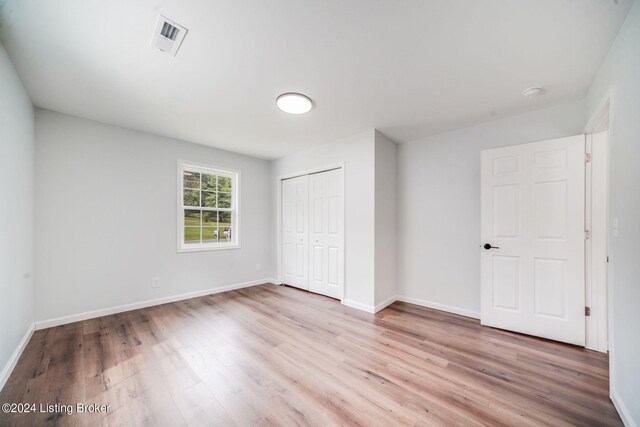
{"x": 596, "y": 201}
{"x": 598, "y": 324}
{"x": 279, "y": 180}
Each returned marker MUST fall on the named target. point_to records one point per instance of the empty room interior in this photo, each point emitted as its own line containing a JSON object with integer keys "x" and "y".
{"x": 320, "y": 213}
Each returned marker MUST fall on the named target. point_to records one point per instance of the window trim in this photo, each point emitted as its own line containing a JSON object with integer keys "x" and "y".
{"x": 235, "y": 209}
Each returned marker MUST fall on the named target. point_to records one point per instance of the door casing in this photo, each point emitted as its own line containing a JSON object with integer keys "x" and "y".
{"x": 598, "y": 218}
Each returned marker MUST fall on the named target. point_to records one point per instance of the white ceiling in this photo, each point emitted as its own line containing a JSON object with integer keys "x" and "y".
{"x": 409, "y": 68}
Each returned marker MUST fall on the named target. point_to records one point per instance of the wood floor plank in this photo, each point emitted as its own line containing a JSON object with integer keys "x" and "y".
{"x": 271, "y": 355}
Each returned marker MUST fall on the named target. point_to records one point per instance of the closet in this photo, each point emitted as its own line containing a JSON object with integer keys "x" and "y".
{"x": 312, "y": 232}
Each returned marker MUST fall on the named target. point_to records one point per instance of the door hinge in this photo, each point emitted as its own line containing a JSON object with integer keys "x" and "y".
{"x": 587, "y": 157}
{"x": 587, "y": 311}
{"x": 587, "y": 234}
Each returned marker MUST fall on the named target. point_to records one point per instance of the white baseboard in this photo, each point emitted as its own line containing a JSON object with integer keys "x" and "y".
{"x": 438, "y": 306}
{"x": 625, "y": 416}
{"x": 11, "y": 363}
{"x": 359, "y": 306}
{"x": 43, "y": 324}
{"x": 386, "y": 303}
{"x": 411, "y": 300}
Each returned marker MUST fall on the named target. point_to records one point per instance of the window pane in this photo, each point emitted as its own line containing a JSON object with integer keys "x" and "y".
{"x": 208, "y": 182}
{"x": 224, "y": 200}
{"x": 191, "y": 179}
{"x": 209, "y": 218}
{"x": 191, "y": 198}
{"x": 191, "y": 218}
{"x": 224, "y": 184}
{"x": 208, "y": 199}
{"x": 225, "y": 234}
{"x": 192, "y": 234}
{"x": 224, "y": 219}
{"x": 209, "y": 234}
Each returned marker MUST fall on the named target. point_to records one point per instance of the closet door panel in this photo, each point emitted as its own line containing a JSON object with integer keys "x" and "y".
{"x": 317, "y": 199}
{"x": 325, "y": 193}
{"x": 295, "y": 228}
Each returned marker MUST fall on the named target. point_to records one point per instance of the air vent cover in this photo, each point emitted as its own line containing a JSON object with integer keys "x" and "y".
{"x": 169, "y": 31}
{"x": 168, "y": 35}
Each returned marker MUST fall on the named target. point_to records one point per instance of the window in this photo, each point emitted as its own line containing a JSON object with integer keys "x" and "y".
{"x": 208, "y": 216}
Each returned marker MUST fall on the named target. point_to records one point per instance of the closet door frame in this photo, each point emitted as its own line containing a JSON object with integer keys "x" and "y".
{"x": 279, "y": 217}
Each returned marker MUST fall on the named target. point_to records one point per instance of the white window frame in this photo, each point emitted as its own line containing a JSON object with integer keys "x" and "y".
{"x": 183, "y": 166}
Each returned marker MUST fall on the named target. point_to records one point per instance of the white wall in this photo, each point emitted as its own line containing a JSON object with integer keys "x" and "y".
{"x": 106, "y": 218}
{"x": 16, "y": 213}
{"x": 621, "y": 72}
{"x": 386, "y": 230}
{"x": 439, "y": 203}
{"x": 357, "y": 153}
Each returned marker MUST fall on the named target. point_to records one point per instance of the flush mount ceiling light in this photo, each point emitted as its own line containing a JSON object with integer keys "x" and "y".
{"x": 294, "y": 103}
{"x": 532, "y": 92}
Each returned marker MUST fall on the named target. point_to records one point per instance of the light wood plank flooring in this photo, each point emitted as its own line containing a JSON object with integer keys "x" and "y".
{"x": 270, "y": 355}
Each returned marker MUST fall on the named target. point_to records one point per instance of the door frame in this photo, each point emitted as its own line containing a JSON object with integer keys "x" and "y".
{"x": 279, "y": 179}
{"x": 597, "y": 287}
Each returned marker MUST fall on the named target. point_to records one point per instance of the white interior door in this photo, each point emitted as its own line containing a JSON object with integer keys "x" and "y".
{"x": 533, "y": 216}
{"x": 295, "y": 230}
{"x": 325, "y": 231}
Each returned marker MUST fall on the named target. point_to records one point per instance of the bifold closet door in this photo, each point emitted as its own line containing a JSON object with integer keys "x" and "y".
{"x": 326, "y": 229}
{"x": 295, "y": 230}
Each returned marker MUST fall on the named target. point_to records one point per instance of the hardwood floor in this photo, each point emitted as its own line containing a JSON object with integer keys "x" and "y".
{"x": 270, "y": 355}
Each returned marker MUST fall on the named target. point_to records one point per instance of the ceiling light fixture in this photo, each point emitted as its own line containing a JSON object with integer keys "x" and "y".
{"x": 294, "y": 103}
{"x": 532, "y": 92}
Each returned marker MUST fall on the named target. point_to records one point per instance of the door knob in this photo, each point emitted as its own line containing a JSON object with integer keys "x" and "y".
{"x": 488, "y": 246}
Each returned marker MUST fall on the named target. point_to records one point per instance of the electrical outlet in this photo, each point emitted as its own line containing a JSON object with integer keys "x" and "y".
{"x": 155, "y": 283}
{"x": 258, "y": 267}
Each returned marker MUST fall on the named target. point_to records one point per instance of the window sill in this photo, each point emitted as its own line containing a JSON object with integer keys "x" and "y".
{"x": 208, "y": 248}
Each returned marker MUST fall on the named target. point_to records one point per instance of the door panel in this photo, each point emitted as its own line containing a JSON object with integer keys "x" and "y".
{"x": 332, "y": 276}
{"x": 506, "y": 282}
{"x": 326, "y": 233}
{"x": 318, "y": 263}
{"x": 550, "y": 287}
{"x": 506, "y": 211}
{"x": 295, "y": 223}
{"x": 533, "y": 214}
{"x": 551, "y": 210}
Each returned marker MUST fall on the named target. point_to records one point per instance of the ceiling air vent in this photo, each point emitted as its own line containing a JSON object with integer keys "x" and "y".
{"x": 168, "y": 35}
